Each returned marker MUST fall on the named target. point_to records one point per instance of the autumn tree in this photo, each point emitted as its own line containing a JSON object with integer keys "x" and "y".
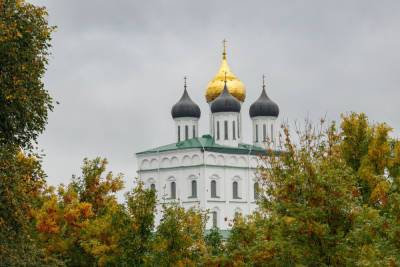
{"x": 179, "y": 238}
{"x": 24, "y": 104}
{"x": 24, "y": 49}
{"x": 21, "y": 185}
{"x": 330, "y": 199}
{"x": 375, "y": 160}
{"x": 82, "y": 223}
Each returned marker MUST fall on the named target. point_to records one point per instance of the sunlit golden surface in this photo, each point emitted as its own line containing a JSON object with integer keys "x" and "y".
{"x": 216, "y": 85}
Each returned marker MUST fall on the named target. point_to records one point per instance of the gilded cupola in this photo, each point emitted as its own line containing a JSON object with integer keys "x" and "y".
{"x": 216, "y": 85}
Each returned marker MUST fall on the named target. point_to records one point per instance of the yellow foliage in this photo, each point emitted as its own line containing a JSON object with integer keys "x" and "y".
{"x": 288, "y": 219}
{"x": 379, "y": 194}
{"x": 48, "y": 217}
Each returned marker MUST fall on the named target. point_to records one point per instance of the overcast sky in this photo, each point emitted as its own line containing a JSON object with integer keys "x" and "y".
{"x": 117, "y": 68}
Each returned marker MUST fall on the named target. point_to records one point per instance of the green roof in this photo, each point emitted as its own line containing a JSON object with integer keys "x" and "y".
{"x": 207, "y": 143}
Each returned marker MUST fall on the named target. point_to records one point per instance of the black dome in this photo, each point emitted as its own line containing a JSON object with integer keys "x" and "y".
{"x": 185, "y": 107}
{"x": 225, "y": 102}
{"x": 264, "y": 106}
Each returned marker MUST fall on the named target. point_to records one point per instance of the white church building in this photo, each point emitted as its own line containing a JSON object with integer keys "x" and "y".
{"x": 215, "y": 171}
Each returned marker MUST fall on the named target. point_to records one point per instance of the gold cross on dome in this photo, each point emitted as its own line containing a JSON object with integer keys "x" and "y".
{"x": 224, "y": 45}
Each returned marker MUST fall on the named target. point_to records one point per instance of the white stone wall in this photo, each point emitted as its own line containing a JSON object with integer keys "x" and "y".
{"x": 185, "y": 165}
{"x": 233, "y": 137}
{"x": 182, "y": 123}
{"x": 271, "y": 130}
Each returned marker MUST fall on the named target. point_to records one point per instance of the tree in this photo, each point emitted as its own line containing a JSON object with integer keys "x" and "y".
{"x": 331, "y": 199}
{"x": 214, "y": 242}
{"x": 375, "y": 160}
{"x": 83, "y": 223}
{"x": 21, "y": 185}
{"x": 139, "y": 226}
{"x": 179, "y": 239}
{"x": 24, "y": 49}
{"x": 24, "y": 105}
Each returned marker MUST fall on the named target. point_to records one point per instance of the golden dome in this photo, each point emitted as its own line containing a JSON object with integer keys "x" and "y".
{"x": 216, "y": 85}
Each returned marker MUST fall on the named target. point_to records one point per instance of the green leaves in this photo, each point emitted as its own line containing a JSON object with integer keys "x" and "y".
{"x": 332, "y": 199}
{"x": 24, "y": 49}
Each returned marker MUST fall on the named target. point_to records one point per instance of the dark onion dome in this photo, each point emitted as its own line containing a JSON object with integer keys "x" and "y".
{"x": 264, "y": 106}
{"x": 185, "y": 107}
{"x": 225, "y": 102}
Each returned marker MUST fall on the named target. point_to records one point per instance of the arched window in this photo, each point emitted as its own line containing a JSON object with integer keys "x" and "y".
{"x": 214, "y": 219}
{"x": 186, "y": 132}
{"x": 213, "y": 188}
{"x": 264, "y": 132}
{"x": 226, "y": 130}
{"x": 235, "y": 190}
{"x": 234, "y": 130}
{"x": 194, "y": 131}
{"x": 173, "y": 190}
{"x": 256, "y": 133}
{"x": 256, "y": 191}
{"x": 179, "y": 133}
{"x": 153, "y": 187}
{"x": 194, "y": 188}
{"x": 217, "y": 130}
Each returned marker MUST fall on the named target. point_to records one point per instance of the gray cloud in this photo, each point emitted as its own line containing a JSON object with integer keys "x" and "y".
{"x": 117, "y": 68}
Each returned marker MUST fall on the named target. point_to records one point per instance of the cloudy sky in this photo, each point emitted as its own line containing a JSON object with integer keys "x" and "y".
{"x": 117, "y": 68}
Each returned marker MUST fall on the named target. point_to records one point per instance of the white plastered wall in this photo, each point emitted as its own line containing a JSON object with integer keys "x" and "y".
{"x": 183, "y": 166}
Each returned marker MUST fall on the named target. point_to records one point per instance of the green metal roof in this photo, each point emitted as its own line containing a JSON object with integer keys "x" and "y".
{"x": 207, "y": 143}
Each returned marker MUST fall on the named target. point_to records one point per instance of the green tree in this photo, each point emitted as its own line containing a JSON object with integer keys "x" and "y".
{"x": 24, "y": 104}
{"x": 375, "y": 233}
{"x": 179, "y": 239}
{"x": 21, "y": 185}
{"x": 24, "y": 49}
{"x": 214, "y": 242}
{"x": 139, "y": 226}
{"x": 331, "y": 199}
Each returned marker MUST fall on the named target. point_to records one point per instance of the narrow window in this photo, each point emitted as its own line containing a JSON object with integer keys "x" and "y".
{"x": 234, "y": 130}
{"x": 272, "y": 132}
{"x": 264, "y": 132}
{"x": 153, "y": 187}
{"x": 213, "y": 188}
{"x": 186, "y": 132}
{"x": 179, "y": 133}
{"x": 173, "y": 190}
{"x": 226, "y": 130}
{"x": 256, "y": 191}
{"x": 194, "y": 188}
{"x": 194, "y": 131}
{"x": 214, "y": 219}
{"x": 217, "y": 130}
{"x": 235, "y": 190}
{"x": 238, "y": 128}
{"x": 256, "y": 133}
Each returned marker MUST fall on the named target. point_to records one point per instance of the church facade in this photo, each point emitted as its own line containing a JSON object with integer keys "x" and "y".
{"x": 215, "y": 171}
